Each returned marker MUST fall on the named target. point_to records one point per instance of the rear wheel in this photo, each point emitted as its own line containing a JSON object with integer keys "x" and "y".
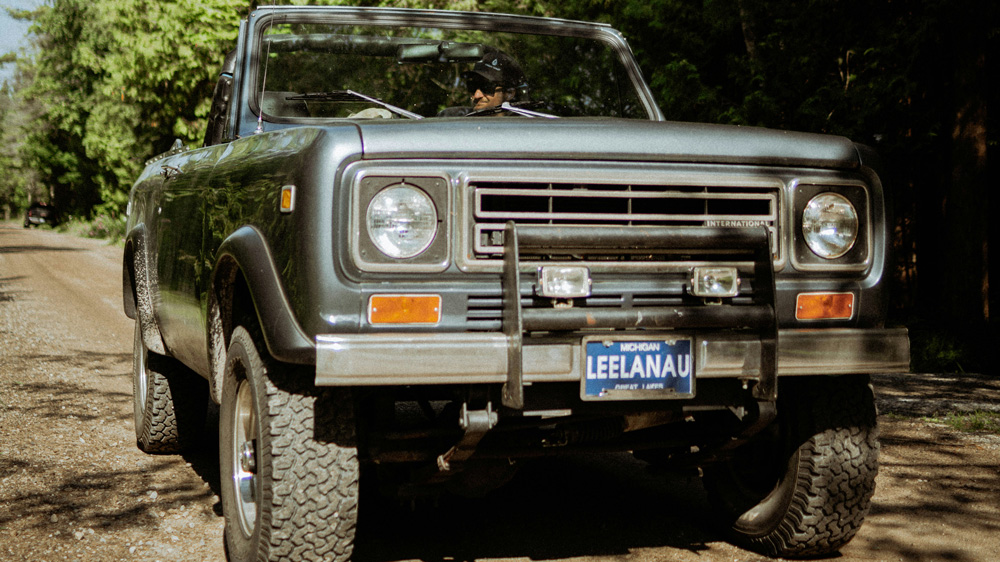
{"x": 288, "y": 461}
{"x": 804, "y": 488}
{"x": 169, "y": 401}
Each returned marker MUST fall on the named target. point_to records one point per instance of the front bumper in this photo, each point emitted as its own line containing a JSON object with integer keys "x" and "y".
{"x": 482, "y": 358}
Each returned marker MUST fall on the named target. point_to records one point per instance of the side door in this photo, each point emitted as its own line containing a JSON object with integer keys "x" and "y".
{"x": 180, "y": 230}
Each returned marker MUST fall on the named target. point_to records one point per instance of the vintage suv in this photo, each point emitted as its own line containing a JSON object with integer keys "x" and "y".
{"x": 428, "y": 245}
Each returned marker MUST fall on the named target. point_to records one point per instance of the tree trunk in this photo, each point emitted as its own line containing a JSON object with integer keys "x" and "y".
{"x": 749, "y": 35}
{"x": 967, "y": 198}
{"x": 965, "y": 295}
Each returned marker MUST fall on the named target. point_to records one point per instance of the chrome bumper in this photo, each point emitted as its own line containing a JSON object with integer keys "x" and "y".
{"x": 481, "y": 358}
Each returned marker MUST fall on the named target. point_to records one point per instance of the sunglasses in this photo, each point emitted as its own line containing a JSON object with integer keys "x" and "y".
{"x": 481, "y": 84}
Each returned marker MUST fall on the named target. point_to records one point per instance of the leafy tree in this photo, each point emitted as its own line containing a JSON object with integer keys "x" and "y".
{"x": 907, "y": 77}
{"x": 14, "y": 184}
{"x": 117, "y": 82}
{"x": 18, "y": 183}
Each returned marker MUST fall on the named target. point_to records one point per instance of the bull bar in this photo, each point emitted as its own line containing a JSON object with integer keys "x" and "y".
{"x": 758, "y": 317}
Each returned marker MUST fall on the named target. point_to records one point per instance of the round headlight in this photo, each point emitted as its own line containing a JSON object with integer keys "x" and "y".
{"x": 830, "y": 225}
{"x": 402, "y": 221}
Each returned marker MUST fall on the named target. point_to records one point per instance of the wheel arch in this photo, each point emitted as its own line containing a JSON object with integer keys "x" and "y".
{"x": 138, "y": 277}
{"x": 128, "y": 280}
{"x": 246, "y": 287}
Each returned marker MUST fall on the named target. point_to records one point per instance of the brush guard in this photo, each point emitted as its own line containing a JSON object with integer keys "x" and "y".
{"x": 759, "y": 317}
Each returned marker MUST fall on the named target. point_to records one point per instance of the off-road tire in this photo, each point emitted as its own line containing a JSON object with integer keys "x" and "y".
{"x": 300, "y": 500}
{"x": 803, "y": 489}
{"x": 169, "y": 401}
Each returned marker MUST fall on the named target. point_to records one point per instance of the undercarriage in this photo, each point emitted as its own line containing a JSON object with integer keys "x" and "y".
{"x": 438, "y": 433}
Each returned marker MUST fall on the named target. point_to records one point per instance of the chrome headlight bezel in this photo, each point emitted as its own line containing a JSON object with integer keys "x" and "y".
{"x": 370, "y": 253}
{"x": 808, "y": 253}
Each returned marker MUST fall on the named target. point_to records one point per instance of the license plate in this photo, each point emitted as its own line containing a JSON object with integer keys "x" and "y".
{"x": 632, "y": 369}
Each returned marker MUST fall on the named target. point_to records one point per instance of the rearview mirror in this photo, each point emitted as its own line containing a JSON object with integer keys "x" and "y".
{"x": 445, "y": 51}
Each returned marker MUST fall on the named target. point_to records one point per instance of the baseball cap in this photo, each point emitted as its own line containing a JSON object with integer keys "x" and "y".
{"x": 499, "y": 68}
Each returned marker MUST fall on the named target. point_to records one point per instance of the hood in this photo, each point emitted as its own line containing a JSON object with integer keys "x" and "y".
{"x": 602, "y": 139}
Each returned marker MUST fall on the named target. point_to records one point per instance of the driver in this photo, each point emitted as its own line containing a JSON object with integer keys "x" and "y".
{"x": 496, "y": 79}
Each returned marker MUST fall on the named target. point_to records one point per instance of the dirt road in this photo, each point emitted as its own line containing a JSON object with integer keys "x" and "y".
{"x": 73, "y": 486}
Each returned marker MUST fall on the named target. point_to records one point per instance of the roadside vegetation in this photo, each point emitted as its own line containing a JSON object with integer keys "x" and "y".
{"x": 973, "y": 422}
{"x": 979, "y": 421}
{"x": 103, "y": 226}
{"x": 110, "y": 83}
{"x": 966, "y": 422}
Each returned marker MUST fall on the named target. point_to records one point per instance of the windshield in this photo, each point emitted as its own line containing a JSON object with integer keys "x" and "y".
{"x": 323, "y": 71}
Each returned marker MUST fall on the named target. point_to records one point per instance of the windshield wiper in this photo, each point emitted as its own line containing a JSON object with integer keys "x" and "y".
{"x": 351, "y": 95}
{"x": 518, "y": 109}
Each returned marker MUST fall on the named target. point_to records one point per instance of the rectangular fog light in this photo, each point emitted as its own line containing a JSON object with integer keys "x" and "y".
{"x": 404, "y": 309}
{"x": 715, "y": 282}
{"x": 564, "y": 282}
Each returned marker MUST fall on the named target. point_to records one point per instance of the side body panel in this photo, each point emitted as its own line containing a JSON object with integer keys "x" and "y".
{"x": 211, "y": 193}
{"x": 176, "y": 247}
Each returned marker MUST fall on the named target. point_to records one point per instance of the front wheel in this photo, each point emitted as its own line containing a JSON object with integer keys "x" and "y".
{"x": 288, "y": 461}
{"x": 803, "y": 488}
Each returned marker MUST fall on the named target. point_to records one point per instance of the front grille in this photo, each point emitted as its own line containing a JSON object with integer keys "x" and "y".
{"x": 563, "y": 204}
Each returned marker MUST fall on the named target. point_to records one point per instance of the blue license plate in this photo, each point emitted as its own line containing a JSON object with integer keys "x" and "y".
{"x": 629, "y": 369}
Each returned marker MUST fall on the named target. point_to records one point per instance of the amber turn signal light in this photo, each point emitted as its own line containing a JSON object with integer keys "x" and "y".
{"x": 287, "y": 202}
{"x": 824, "y": 306}
{"x": 404, "y": 309}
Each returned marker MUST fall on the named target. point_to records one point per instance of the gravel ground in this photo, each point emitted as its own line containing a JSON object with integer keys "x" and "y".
{"x": 73, "y": 486}
{"x": 72, "y": 482}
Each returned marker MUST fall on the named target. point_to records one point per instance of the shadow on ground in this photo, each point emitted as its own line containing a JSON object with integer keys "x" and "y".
{"x": 599, "y": 506}
{"x": 73, "y": 469}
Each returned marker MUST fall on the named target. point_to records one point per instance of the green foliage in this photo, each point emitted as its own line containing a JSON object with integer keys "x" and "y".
{"x": 117, "y": 82}
{"x": 972, "y": 422}
{"x": 106, "y": 226}
{"x": 18, "y": 186}
{"x": 936, "y": 351}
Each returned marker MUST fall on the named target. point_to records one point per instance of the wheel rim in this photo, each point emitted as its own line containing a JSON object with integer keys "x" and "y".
{"x": 244, "y": 458}
{"x": 140, "y": 376}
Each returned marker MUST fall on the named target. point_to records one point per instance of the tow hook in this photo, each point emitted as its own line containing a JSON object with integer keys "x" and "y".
{"x": 475, "y": 424}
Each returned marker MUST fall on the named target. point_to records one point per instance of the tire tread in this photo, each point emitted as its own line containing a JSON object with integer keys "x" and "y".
{"x": 320, "y": 524}
{"x": 833, "y": 427}
{"x": 175, "y": 409}
{"x": 308, "y": 463}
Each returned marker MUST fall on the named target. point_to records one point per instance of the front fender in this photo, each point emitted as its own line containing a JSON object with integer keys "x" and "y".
{"x": 245, "y": 253}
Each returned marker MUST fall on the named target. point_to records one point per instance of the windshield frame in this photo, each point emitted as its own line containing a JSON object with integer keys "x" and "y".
{"x": 261, "y": 19}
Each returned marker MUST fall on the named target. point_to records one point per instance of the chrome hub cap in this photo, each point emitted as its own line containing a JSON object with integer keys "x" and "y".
{"x": 140, "y": 377}
{"x": 244, "y": 458}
